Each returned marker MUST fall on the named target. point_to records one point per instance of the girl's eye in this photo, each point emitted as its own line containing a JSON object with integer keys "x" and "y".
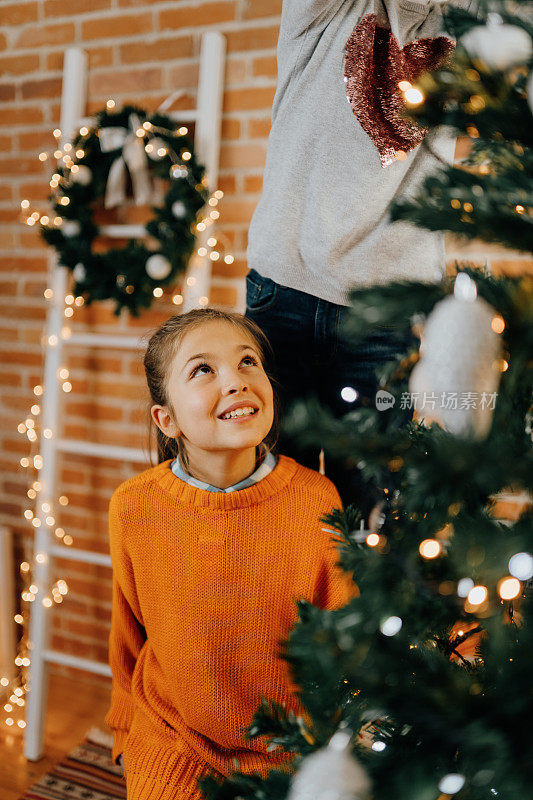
{"x": 250, "y": 358}
{"x": 200, "y": 366}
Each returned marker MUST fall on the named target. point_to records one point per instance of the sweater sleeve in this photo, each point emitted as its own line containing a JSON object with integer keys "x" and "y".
{"x": 334, "y": 587}
{"x": 299, "y": 15}
{"x": 127, "y": 634}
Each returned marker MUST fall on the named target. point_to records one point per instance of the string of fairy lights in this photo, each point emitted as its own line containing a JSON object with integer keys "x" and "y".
{"x": 213, "y": 248}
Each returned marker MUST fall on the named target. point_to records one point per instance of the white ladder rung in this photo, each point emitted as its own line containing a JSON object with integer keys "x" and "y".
{"x": 79, "y": 447}
{"x": 55, "y": 657}
{"x": 74, "y": 554}
{"x": 123, "y": 231}
{"x": 105, "y": 340}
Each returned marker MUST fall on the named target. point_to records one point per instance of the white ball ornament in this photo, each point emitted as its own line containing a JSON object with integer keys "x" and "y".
{"x": 158, "y": 267}
{"x": 456, "y": 380}
{"x": 83, "y": 175}
{"x": 79, "y": 273}
{"x": 70, "y": 227}
{"x": 331, "y": 773}
{"x": 178, "y": 209}
{"x": 497, "y": 45}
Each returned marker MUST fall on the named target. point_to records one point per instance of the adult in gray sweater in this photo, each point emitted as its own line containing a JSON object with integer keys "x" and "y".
{"x": 322, "y": 225}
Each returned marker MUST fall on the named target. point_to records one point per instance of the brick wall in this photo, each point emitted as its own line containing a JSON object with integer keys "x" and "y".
{"x": 139, "y": 51}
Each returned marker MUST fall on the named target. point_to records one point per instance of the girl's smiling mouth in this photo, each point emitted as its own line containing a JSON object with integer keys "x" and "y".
{"x": 239, "y": 411}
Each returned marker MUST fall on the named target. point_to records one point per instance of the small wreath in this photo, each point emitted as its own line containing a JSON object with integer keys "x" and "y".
{"x": 128, "y": 149}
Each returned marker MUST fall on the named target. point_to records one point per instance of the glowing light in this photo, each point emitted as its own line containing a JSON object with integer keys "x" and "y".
{"x": 229, "y": 259}
{"x": 519, "y": 209}
{"x": 183, "y": 130}
{"x": 80, "y": 153}
{"x": 68, "y": 312}
{"x": 110, "y": 103}
{"x": 202, "y": 251}
{"x": 191, "y": 281}
{"x": 379, "y": 746}
{"x": 147, "y": 125}
{"x": 45, "y": 220}
{"x": 162, "y": 151}
{"x": 67, "y": 147}
{"x": 429, "y": 548}
{"x": 158, "y": 291}
{"x": 372, "y": 539}
{"x": 43, "y": 156}
{"x": 413, "y": 96}
{"x": 63, "y": 500}
{"x": 57, "y": 133}
{"x": 211, "y": 241}
{"x": 67, "y": 386}
{"x": 52, "y": 340}
{"x": 391, "y": 626}
{"x": 203, "y": 300}
{"x": 40, "y": 558}
{"x": 186, "y": 156}
{"x": 451, "y": 783}
{"x": 468, "y": 207}
{"x": 24, "y": 567}
{"x": 140, "y": 132}
{"x": 521, "y": 566}
{"x": 403, "y": 86}
{"x": 477, "y": 595}
{"x": 64, "y": 373}
{"x": 177, "y": 299}
{"x": 349, "y": 394}
{"x": 219, "y": 194}
{"x": 212, "y": 201}
{"x": 509, "y": 588}
{"x": 214, "y": 255}
{"x": 497, "y": 324}
{"x": 214, "y": 214}
{"x": 24, "y": 203}
{"x": 455, "y": 203}
{"x": 24, "y": 462}
{"x": 84, "y": 131}
{"x": 149, "y": 148}
{"x": 64, "y": 201}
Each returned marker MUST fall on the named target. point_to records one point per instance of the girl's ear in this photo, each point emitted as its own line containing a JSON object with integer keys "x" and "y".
{"x": 163, "y": 419}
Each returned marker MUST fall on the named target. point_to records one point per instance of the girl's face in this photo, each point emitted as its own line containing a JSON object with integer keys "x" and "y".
{"x": 218, "y": 369}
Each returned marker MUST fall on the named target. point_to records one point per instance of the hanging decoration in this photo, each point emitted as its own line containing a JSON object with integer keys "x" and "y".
{"x": 128, "y": 157}
{"x": 461, "y": 362}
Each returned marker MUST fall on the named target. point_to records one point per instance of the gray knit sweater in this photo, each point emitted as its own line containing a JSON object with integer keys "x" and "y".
{"x": 322, "y": 225}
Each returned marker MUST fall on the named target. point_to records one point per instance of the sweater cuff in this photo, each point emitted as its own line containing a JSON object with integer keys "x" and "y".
{"x": 119, "y": 737}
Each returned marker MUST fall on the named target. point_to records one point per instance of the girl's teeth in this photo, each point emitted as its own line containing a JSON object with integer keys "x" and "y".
{"x": 239, "y": 412}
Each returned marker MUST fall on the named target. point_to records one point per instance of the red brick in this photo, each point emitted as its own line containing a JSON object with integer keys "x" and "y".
{"x": 197, "y": 15}
{"x": 253, "y": 184}
{"x": 225, "y": 296}
{"x": 252, "y": 39}
{"x": 6, "y": 144}
{"x": 248, "y": 99}
{"x": 47, "y": 35}
{"x": 19, "y": 13}
{"x": 7, "y": 92}
{"x": 20, "y": 166}
{"x": 126, "y": 25}
{"x": 259, "y": 128}
{"x": 97, "y": 57}
{"x": 185, "y": 75}
{"x": 18, "y": 65}
{"x": 262, "y": 8}
{"x": 172, "y": 48}
{"x": 47, "y": 87}
{"x": 19, "y": 115}
{"x": 236, "y": 270}
{"x": 267, "y": 66}
{"x": 58, "y": 8}
{"x": 242, "y": 155}
{"x": 102, "y": 83}
{"x": 231, "y": 129}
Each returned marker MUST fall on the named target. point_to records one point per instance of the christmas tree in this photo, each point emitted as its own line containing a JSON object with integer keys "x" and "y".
{"x": 419, "y": 688}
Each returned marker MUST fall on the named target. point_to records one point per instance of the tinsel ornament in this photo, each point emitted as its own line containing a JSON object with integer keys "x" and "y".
{"x": 496, "y": 45}
{"x": 458, "y": 374}
{"x": 331, "y": 773}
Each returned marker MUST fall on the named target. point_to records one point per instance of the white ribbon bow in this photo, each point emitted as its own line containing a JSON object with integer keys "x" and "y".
{"x": 133, "y": 158}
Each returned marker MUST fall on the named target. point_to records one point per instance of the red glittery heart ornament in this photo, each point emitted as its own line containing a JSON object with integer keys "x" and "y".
{"x": 374, "y": 64}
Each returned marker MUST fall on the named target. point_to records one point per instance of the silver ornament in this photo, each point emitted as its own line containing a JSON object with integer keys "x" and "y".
{"x": 456, "y": 380}
{"x": 497, "y": 45}
{"x": 83, "y": 175}
{"x": 178, "y": 209}
{"x": 70, "y": 227}
{"x": 79, "y": 272}
{"x": 331, "y": 773}
{"x": 158, "y": 267}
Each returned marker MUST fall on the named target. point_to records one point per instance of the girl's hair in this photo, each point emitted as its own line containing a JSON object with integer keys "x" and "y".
{"x": 162, "y": 348}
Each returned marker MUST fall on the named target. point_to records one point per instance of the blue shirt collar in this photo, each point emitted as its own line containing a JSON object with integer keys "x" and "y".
{"x": 264, "y": 469}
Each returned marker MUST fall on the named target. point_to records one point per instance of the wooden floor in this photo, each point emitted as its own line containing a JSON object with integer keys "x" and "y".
{"x": 73, "y": 708}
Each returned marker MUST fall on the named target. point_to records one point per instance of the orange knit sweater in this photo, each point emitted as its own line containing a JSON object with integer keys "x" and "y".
{"x": 204, "y": 589}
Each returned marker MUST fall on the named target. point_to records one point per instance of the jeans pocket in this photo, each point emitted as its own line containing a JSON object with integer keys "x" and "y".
{"x": 261, "y": 292}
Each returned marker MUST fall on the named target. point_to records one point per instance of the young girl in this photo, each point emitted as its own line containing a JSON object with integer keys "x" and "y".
{"x": 211, "y": 549}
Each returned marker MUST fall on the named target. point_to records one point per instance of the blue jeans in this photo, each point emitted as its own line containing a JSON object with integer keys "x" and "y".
{"x": 311, "y": 358}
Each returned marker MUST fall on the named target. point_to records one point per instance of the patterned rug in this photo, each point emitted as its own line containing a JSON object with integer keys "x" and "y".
{"x": 87, "y": 773}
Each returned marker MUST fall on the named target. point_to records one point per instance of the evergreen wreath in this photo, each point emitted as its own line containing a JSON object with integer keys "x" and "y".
{"x": 128, "y": 146}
